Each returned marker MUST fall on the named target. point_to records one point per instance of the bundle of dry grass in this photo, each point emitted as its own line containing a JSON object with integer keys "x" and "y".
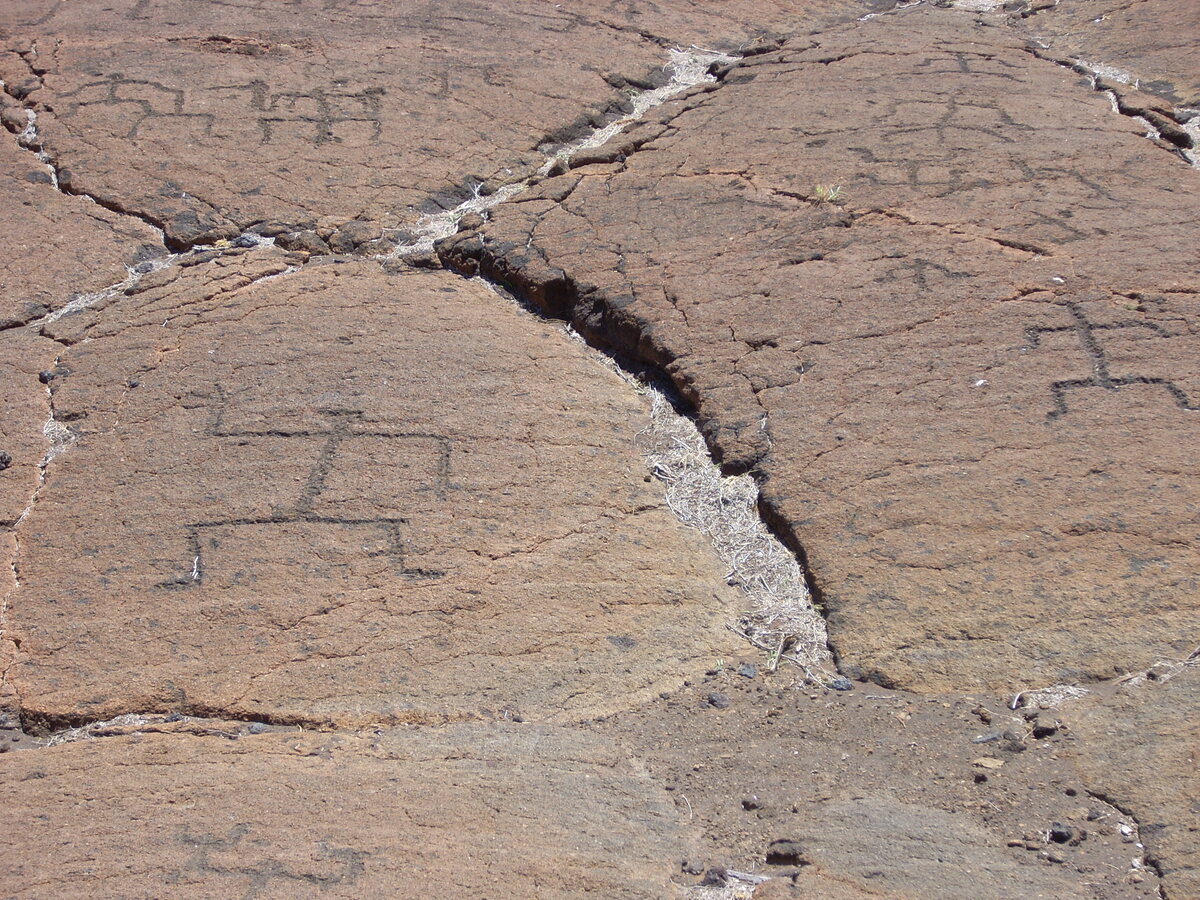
{"x": 781, "y": 617}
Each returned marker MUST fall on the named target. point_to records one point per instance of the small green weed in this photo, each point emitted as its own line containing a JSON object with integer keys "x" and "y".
{"x": 828, "y": 193}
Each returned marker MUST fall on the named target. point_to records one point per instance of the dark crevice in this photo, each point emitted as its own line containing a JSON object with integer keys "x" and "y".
{"x": 62, "y": 181}
{"x": 1166, "y": 120}
{"x": 1148, "y": 857}
{"x": 45, "y": 724}
{"x": 622, "y": 339}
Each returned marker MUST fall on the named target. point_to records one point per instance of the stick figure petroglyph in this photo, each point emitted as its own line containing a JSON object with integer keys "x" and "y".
{"x": 1086, "y": 331}
{"x": 344, "y": 425}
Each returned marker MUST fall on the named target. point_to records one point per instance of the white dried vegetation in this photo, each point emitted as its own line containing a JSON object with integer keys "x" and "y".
{"x": 685, "y": 68}
{"x": 780, "y": 617}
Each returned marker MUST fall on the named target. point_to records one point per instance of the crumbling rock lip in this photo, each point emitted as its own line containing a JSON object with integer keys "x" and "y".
{"x": 1175, "y": 129}
{"x": 688, "y": 69}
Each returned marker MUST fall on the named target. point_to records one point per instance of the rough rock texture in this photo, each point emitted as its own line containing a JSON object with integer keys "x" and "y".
{"x": 54, "y": 246}
{"x": 468, "y": 811}
{"x": 1141, "y": 748}
{"x": 944, "y": 304}
{"x": 730, "y": 25}
{"x": 347, "y": 496}
{"x": 24, "y": 410}
{"x": 211, "y": 118}
{"x": 922, "y": 281}
{"x": 880, "y": 794}
{"x": 1154, "y": 41}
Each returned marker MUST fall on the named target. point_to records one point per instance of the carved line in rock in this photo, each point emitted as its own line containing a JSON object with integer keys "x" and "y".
{"x": 321, "y": 109}
{"x": 342, "y": 427}
{"x": 346, "y": 864}
{"x": 1085, "y": 331}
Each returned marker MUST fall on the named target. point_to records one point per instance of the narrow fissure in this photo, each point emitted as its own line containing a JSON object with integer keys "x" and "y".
{"x": 782, "y": 617}
{"x": 686, "y": 69}
{"x": 30, "y": 139}
{"x": 1172, "y": 128}
{"x": 1135, "y": 827}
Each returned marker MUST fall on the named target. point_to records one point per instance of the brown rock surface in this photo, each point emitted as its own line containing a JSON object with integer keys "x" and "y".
{"x": 56, "y": 247}
{"x": 1154, "y": 41}
{"x": 879, "y": 793}
{"x": 468, "y": 811}
{"x": 920, "y": 280}
{"x": 1141, "y": 748}
{"x": 944, "y": 302}
{"x": 24, "y": 409}
{"x": 209, "y": 118}
{"x": 339, "y": 495}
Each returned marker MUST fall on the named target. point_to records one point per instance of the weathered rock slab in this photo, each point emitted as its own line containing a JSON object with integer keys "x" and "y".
{"x": 340, "y": 495}
{"x": 1141, "y": 748}
{"x": 479, "y": 811}
{"x": 57, "y": 247}
{"x": 210, "y": 118}
{"x": 1154, "y": 42}
{"x": 943, "y": 301}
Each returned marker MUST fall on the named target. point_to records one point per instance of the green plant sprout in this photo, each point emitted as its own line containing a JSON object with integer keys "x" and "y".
{"x": 828, "y": 193}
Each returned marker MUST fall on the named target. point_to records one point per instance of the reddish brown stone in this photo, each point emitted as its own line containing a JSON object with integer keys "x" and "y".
{"x": 1154, "y": 41}
{"x": 343, "y": 496}
{"x": 925, "y": 283}
{"x": 1141, "y": 746}
{"x": 477, "y": 811}
{"x": 209, "y": 118}
{"x": 872, "y": 793}
{"x": 24, "y": 410}
{"x": 57, "y": 247}
{"x": 942, "y": 301}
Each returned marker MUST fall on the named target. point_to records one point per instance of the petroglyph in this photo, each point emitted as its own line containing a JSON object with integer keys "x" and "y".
{"x": 346, "y": 442}
{"x": 1086, "y": 331}
{"x": 315, "y": 115}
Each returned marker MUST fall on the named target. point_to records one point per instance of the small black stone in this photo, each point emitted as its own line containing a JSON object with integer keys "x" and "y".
{"x": 717, "y": 700}
{"x": 747, "y": 670}
{"x": 1060, "y": 833}
{"x": 785, "y": 852}
{"x": 5, "y": 460}
{"x": 842, "y": 683}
